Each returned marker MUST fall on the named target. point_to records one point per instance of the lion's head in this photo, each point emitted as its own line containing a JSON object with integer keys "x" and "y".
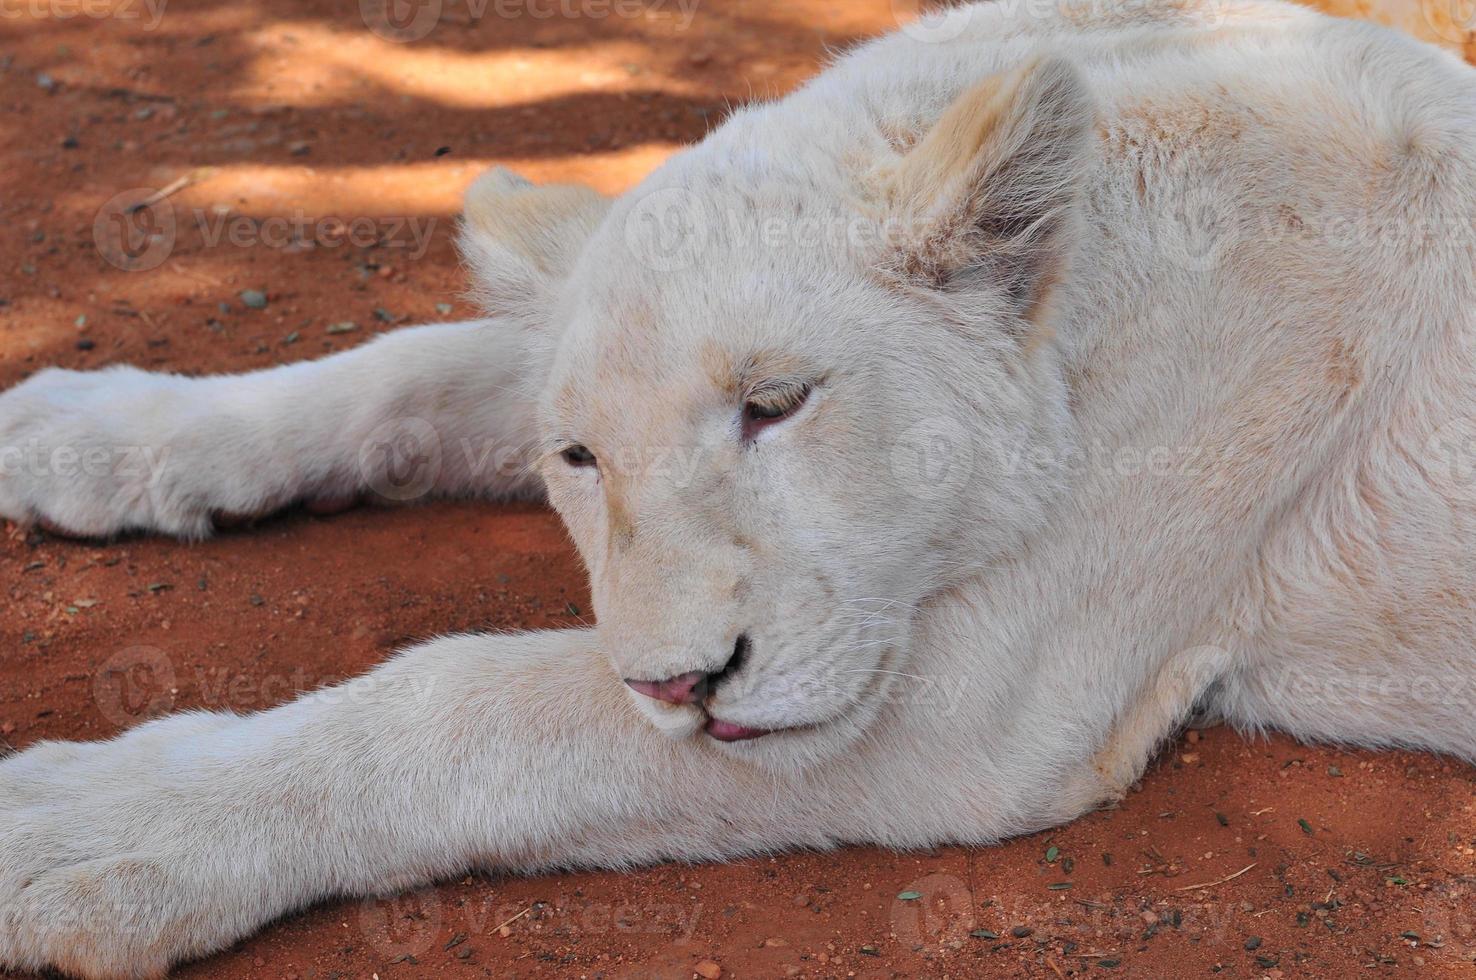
{"x": 793, "y": 391}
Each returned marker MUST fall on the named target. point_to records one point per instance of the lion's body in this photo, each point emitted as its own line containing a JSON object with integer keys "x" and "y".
{"x": 1274, "y": 305}
{"x": 1208, "y": 435}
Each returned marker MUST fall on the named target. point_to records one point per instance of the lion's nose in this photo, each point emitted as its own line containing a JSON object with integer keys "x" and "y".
{"x": 695, "y": 685}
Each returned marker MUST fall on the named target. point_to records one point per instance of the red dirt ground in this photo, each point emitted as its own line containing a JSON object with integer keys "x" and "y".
{"x": 1342, "y": 863}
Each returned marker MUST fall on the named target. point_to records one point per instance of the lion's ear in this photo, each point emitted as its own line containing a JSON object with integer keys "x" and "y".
{"x": 988, "y": 191}
{"x": 521, "y": 239}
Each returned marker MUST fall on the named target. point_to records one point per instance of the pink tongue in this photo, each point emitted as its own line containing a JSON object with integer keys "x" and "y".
{"x": 726, "y": 731}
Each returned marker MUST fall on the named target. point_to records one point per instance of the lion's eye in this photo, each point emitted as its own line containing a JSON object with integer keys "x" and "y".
{"x": 578, "y": 456}
{"x": 759, "y": 412}
{"x": 768, "y": 407}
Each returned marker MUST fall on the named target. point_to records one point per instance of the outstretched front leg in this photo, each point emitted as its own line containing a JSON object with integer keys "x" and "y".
{"x": 511, "y": 752}
{"x": 443, "y": 409}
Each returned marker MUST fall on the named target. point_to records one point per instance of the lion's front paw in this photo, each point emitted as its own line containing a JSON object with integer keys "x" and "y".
{"x": 105, "y": 917}
{"x": 104, "y": 869}
{"x": 97, "y": 453}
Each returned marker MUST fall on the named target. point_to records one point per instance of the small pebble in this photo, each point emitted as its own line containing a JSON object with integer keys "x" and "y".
{"x": 707, "y": 969}
{"x": 254, "y": 298}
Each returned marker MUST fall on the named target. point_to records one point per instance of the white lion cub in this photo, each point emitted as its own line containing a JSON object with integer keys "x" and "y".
{"x": 941, "y": 432}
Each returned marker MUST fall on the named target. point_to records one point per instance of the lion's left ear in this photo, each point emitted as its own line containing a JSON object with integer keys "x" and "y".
{"x": 988, "y": 191}
{"x": 521, "y": 239}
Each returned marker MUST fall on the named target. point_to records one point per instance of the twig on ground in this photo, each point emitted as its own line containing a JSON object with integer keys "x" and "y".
{"x": 513, "y": 919}
{"x": 174, "y": 187}
{"x": 1220, "y": 881}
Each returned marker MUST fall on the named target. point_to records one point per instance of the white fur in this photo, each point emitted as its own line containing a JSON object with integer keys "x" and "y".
{"x": 99, "y": 453}
{"x": 1155, "y": 390}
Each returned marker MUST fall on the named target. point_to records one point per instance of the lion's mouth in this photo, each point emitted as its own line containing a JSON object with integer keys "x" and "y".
{"x": 730, "y": 731}
{"x": 727, "y": 731}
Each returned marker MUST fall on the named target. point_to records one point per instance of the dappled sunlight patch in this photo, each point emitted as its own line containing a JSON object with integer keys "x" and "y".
{"x": 426, "y": 188}
{"x": 323, "y": 65}
{"x": 230, "y": 217}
